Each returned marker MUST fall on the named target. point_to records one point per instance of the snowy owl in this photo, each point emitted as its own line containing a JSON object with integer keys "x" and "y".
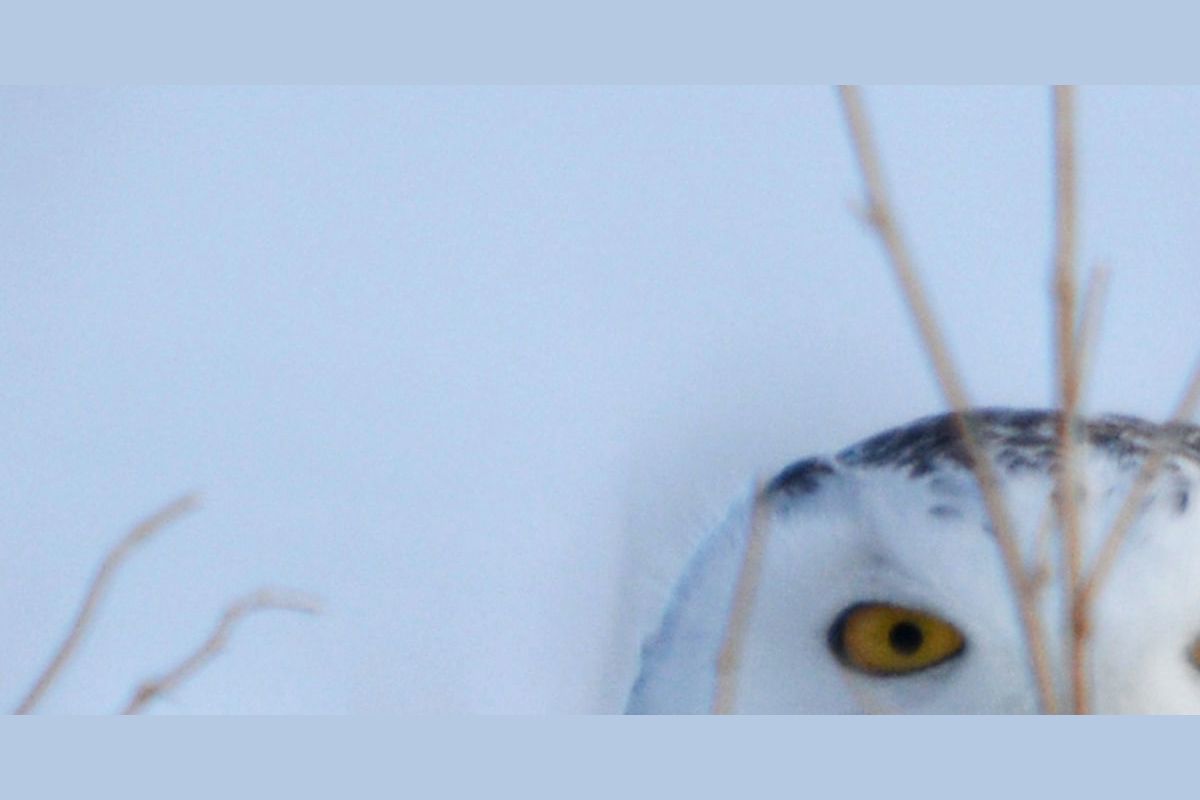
{"x": 882, "y": 588}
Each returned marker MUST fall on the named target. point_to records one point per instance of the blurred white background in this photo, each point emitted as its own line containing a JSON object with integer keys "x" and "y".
{"x": 477, "y": 366}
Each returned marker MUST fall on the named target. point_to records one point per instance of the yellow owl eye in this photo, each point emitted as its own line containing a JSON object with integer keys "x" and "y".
{"x": 883, "y": 639}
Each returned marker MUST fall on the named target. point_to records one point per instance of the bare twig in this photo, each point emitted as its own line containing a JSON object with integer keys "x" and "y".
{"x": 1141, "y": 484}
{"x": 867, "y": 703}
{"x": 1086, "y": 334}
{"x": 882, "y": 220}
{"x": 1079, "y": 608}
{"x": 261, "y": 600}
{"x": 1090, "y": 319}
{"x": 140, "y": 533}
{"x": 729, "y": 660}
{"x": 1040, "y": 574}
{"x": 1068, "y": 477}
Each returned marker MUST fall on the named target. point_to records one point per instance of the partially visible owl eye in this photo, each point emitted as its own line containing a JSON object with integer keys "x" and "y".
{"x": 886, "y": 639}
{"x": 1194, "y": 654}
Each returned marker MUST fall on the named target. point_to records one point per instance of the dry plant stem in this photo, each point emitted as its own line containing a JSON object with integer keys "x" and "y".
{"x": 140, "y": 533}
{"x": 261, "y": 600}
{"x": 866, "y": 702}
{"x": 1040, "y": 574}
{"x": 1086, "y": 334}
{"x": 1090, "y": 320}
{"x": 1085, "y": 339}
{"x": 1068, "y": 478}
{"x": 1091, "y": 317}
{"x": 729, "y": 660}
{"x": 1133, "y": 501}
{"x": 1078, "y": 609}
{"x": 882, "y": 220}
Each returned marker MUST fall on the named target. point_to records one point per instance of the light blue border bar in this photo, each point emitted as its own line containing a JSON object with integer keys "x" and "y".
{"x": 572, "y": 43}
{"x": 812, "y": 757}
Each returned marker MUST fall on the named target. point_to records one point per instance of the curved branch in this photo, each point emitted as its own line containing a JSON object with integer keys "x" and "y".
{"x": 216, "y": 642}
{"x": 140, "y": 533}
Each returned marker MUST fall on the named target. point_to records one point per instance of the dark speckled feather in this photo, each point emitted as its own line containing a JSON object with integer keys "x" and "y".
{"x": 1018, "y": 440}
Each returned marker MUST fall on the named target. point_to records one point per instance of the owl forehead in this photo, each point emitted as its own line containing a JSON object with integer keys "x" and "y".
{"x": 1017, "y": 440}
{"x": 923, "y": 468}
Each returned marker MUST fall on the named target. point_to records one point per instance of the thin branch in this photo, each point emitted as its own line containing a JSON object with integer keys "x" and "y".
{"x": 866, "y": 702}
{"x": 1141, "y": 485}
{"x": 140, "y": 533}
{"x": 1040, "y": 574}
{"x": 1068, "y": 478}
{"x": 1087, "y": 333}
{"x": 1079, "y": 608}
{"x": 212, "y": 647}
{"x": 1091, "y": 318}
{"x": 882, "y": 220}
{"x": 730, "y": 659}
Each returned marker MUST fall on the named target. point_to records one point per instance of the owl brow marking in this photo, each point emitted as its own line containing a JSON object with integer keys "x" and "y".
{"x": 881, "y": 219}
{"x": 943, "y": 511}
{"x": 801, "y": 478}
{"x": 1018, "y": 440}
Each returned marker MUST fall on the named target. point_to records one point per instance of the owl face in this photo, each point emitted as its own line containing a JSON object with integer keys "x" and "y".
{"x": 882, "y": 588}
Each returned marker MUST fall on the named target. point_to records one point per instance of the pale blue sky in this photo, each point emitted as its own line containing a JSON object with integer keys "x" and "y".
{"x": 475, "y": 365}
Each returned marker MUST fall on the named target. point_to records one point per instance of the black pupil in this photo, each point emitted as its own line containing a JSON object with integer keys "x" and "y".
{"x": 906, "y": 638}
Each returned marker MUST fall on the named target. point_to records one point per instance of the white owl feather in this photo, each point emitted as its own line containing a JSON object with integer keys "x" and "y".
{"x": 898, "y": 522}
